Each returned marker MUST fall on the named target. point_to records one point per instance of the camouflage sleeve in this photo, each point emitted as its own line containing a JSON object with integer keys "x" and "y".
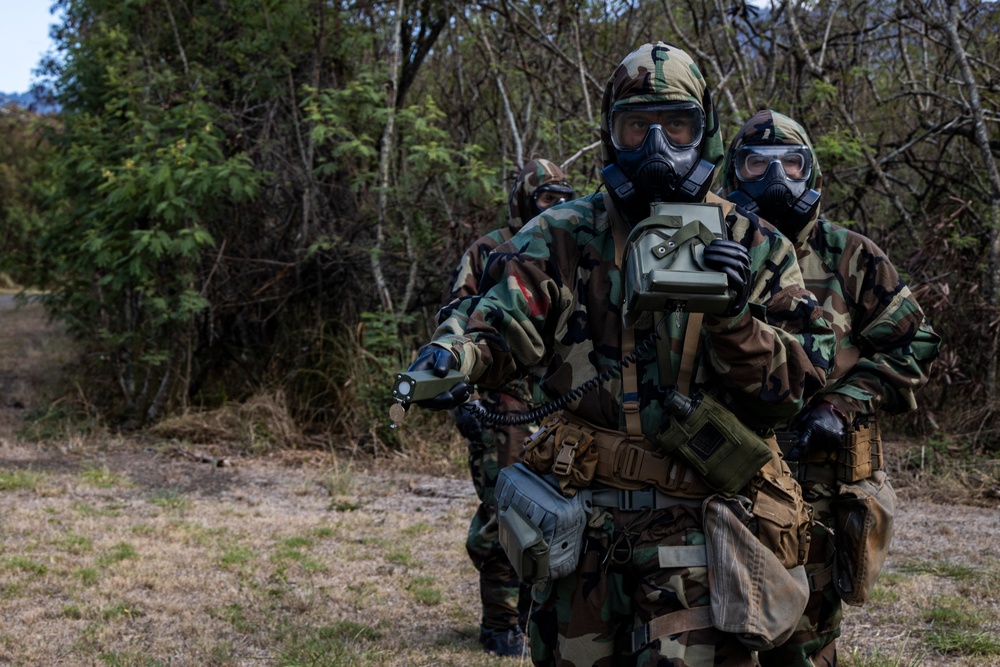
{"x": 891, "y": 346}
{"x": 465, "y": 277}
{"x": 778, "y": 351}
{"x": 500, "y": 332}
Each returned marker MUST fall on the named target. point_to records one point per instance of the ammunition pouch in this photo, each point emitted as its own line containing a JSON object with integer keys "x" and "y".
{"x": 721, "y": 449}
{"x": 861, "y": 454}
{"x": 540, "y": 529}
{"x": 857, "y": 458}
{"x": 578, "y": 453}
{"x": 864, "y": 514}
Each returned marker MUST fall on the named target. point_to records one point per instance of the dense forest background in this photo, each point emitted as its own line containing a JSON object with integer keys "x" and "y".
{"x": 246, "y": 196}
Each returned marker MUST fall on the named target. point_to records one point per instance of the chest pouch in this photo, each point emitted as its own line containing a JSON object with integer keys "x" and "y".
{"x": 541, "y": 530}
{"x": 663, "y": 267}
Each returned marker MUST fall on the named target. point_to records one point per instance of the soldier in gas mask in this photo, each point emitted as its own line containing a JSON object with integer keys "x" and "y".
{"x": 540, "y": 185}
{"x": 884, "y": 352}
{"x": 638, "y": 592}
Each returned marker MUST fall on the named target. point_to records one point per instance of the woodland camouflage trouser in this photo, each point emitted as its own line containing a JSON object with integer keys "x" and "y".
{"x": 504, "y": 600}
{"x": 814, "y": 641}
{"x": 587, "y": 618}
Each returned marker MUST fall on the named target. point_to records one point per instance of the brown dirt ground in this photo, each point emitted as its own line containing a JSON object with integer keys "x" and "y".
{"x": 120, "y": 550}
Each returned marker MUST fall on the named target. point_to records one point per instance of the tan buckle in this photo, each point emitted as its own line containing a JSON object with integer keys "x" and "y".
{"x": 564, "y": 461}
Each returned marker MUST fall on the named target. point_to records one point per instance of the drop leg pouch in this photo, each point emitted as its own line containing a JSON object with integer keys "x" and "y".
{"x": 864, "y": 514}
{"x": 541, "y": 530}
{"x": 752, "y": 594}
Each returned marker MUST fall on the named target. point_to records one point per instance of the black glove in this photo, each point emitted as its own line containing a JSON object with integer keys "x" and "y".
{"x": 468, "y": 423}
{"x": 820, "y": 429}
{"x": 440, "y": 361}
{"x": 731, "y": 258}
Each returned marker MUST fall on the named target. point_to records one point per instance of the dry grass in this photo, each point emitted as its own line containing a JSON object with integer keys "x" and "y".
{"x": 147, "y": 552}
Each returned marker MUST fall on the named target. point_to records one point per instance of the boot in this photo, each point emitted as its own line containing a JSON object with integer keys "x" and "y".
{"x": 502, "y": 642}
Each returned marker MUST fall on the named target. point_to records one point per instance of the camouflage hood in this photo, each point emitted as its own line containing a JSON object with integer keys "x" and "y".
{"x": 770, "y": 128}
{"x": 535, "y": 174}
{"x": 658, "y": 72}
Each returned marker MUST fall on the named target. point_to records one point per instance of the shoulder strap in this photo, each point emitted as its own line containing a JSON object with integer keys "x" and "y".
{"x": 630, "y": 379}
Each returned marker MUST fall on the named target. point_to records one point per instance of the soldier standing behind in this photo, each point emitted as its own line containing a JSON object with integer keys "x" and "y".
{"x": 540, "y": 185}
{"x": 637, "y": 590}
{"x": 884, "y": 352}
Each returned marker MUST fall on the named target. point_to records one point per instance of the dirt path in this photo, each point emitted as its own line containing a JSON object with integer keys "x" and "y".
{"x": 136, "y": 551}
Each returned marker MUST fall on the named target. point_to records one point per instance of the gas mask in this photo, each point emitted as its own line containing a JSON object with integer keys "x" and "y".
{"x": 773, "y": 184}
{"x": 658, "y": 148}
{"x": 547, "y": 196}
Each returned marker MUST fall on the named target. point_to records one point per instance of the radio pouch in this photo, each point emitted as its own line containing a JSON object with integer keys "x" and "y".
{"x": 541, "y": 530}
{"x": 864, "y": 518}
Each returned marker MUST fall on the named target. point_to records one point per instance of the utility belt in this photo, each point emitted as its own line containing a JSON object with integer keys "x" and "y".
{"x": 856, "y": 458}
{"x": 578, "y": 454}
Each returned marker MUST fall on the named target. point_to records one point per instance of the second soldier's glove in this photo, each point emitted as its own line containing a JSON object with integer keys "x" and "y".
{"x": 732, "y": 259}
{"x": 440, "y": 360}
{"x": 823, "y": 428}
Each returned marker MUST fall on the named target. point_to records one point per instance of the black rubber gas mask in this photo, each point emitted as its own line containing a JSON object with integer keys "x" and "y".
{"x": 773, "y": 183}
{"x": 658, "y": 149}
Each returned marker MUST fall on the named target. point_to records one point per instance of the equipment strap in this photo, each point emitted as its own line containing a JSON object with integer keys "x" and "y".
{"x": 630, "y": 378}
{"x": 685, "y": 620}
{"x": 820, "y": 580}
{"x": 692, "y": 336}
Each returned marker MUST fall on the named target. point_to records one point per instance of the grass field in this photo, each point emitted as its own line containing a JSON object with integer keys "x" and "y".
{"x": 151, "y": 551}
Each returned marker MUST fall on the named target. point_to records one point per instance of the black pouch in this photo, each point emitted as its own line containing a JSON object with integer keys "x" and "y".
{"x": 864, "y": 514}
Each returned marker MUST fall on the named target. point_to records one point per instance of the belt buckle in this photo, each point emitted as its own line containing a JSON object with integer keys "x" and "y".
{"x": 640, "y": 638}
{"x": 639, "y": 499}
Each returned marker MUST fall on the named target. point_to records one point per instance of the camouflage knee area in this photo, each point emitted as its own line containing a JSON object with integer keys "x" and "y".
{"x": 577, "y": 619}
{"x": 499, "y": 589}
{"x": 662, "y": 590}
{"x": 499, "y": 586}
{"x": 482, "y": 541}
{"x": 587, "y": 619}
{"x": 483, "y": 467}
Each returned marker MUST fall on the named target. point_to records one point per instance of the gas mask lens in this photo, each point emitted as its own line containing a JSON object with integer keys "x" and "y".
{"x": 682, "y": 123}
{"x": 752, "y": 162}
{"x": 550, "y": 195}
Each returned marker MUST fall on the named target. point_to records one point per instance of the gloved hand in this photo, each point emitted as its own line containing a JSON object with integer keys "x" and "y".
{"x": 468, "y": 424}
{"x": 732, "y": 259}
{"x": 820, "y": 429}
{"x": 440, "y": 361}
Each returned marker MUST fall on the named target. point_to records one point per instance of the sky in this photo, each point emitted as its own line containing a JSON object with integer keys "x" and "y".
{"x": 24, "y": 37}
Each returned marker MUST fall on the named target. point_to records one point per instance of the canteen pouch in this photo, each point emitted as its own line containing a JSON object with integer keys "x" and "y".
{"x": 782, "y": 519}
{"x": 717, "y": 445}
{"x": 752, "y": 594}
{"x": 540, "y": 529}
{"x": 864, "y": 514}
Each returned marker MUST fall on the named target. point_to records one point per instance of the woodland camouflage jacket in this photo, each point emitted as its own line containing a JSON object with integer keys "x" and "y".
{"x": 885, "y": 345}
{"x": 552, "y": 297}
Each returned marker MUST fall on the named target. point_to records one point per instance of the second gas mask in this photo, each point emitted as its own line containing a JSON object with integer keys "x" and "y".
{"x": 773, "y": 183}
